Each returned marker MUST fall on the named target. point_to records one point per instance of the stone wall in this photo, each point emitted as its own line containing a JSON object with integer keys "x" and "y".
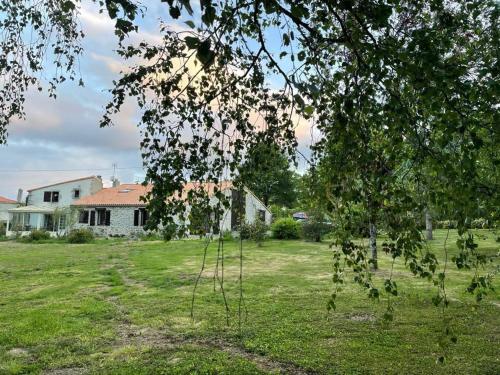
{"x": 121, "y": 224}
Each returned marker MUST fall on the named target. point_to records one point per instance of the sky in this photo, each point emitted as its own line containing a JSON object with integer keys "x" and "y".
{"x": 61, "y": 139}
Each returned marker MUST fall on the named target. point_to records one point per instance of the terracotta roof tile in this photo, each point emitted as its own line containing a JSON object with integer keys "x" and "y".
{"x": 122, "y": 195}
{"x": 130, "y": 194}
{"x": 6, "y": 200}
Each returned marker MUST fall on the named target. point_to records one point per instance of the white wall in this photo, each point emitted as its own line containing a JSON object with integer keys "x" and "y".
{"x": 86, "y": 187}
{"x": 4, "y": 207}
{"x": 252, "y": 205}
{"x": 122, "y": 218}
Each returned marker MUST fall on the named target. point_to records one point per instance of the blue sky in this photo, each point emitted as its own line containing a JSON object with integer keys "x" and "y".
{"x": 61, "y": 139}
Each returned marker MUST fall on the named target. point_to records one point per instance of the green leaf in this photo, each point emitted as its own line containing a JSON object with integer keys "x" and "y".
{"x": 208, "y": 16}
{"x": 204, "y": 53}
{"x": 286, "y": 39}
{"x": 192, "y": 42}
{"x": 190, "y": 24}
{"x": 187, "y": 5}
{"x": 299, "y": 100}
{"x": 175, "y": 12}
{"x": 309, "y": 110}
{"x": 67, "y": 6}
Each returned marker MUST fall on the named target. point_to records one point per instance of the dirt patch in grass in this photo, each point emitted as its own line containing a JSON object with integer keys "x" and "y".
{"x": 362, "y": 318}
{"x": 130, "y": 335}
{"x": 18, "y": 352}
{"x": 66, "y": 371}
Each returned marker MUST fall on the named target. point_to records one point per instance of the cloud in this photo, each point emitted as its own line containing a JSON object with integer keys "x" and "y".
{"x": 63, "y": 135}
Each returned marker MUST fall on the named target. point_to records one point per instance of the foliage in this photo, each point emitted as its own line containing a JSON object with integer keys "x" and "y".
{"x": 279, "y": 212}
{"x": 200, "y": 222}
{"x": 446, "y": 224}
{"x": 150, "y": 236}
{"x": 255, "y": 231}
{"x": 245, "y": 231}
{"x": 286, "y": 229}
{"x": 38, "y": 235}
{"x": 80, "y": 236}
{"x": 266, "y": 172}
{"x": 227, "y": 236}
{"x": 316, "y": 226}
{"x": 480, "y": 223}
{"x": 403, "y": 94}
{"x": 3, "y": 229}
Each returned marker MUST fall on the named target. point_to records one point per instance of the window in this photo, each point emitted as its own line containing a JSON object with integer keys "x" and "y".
{"x": 51, "y": 196}
{"x": 103, "y": 217}
{"x": 76, "y": 193}
{"x": 261, "y": 214}
{"x": 84, "y": 217}
{"x": 62, "y": 222}
{"x": 48, "y": 222}
{"x": 140, "y": 217}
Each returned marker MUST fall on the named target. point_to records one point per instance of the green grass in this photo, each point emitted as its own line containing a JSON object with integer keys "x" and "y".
{"x": 117, "y": 307}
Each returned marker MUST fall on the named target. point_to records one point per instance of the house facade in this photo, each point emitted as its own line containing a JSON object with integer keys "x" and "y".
{"x": 119, "y": 211}
{"x": 115, "y": 211}
{"x": 48, "y": 207}
{"x": 6, "y": 205}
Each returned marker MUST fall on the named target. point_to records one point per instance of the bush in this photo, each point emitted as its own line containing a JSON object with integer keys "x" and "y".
{"x": 245, "y": 231}
{"x": 286, "y": 229}
{"x": 150, "y": 236}
{"x": 3, "y": 229}
{"x": 255, "y": 231}
{"x": 80, "y": 236}
{"x": 480, "y": 223}
{"x": 315, "y": 227}
{"x": 38, "y": 235}
{"x": 446, "y": 224}
{"x": 227, "y": 235}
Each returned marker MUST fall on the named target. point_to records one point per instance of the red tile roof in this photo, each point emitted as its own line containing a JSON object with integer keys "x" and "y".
{"x": 63, "y": 182}
{"x": 7, "y": 200}
{"x": 130, "y": 194}
{"x": 122, "y": 195}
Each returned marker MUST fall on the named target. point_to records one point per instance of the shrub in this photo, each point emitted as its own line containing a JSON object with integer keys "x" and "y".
{"x": 227, "y": 235}
{"x": 285, "y": 229}
{"x": 3, "y": 229}
{"x": 259, "y": 231}
{"x": 446, "y": 224}
{"x": 80, "y": 236}
{"x": 38, "y": 235}
{"x": 255, "y": 231}
{"x": 150, "y": 236}
{"x": 169, "y": 232}
{"x": 245, "y": 231}
{"x": 315, "y": 227}
{"x": 479, "y": 223}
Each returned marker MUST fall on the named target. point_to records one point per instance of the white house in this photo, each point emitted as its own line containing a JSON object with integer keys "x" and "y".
{"x": 6, "y": 205}
{"x": 119, "y": 211}
{"x": 48, "y": 207}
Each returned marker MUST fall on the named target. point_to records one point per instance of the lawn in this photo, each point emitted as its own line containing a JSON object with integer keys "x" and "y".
{"x": 117, "y": 307}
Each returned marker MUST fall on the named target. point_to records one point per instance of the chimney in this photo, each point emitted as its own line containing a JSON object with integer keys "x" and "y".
{"x": 20, "y": 196}
{"x": 116, "y": 182}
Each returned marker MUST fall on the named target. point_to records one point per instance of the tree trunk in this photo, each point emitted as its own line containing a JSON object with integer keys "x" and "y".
{"x": 373, "y": 244}
{"x": 428, "y": 224}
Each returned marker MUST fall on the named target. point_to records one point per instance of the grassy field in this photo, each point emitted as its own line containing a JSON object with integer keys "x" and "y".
{"x": 124, "y": 308}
